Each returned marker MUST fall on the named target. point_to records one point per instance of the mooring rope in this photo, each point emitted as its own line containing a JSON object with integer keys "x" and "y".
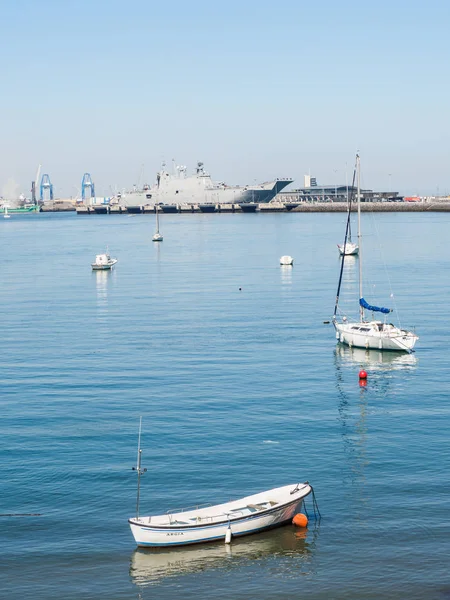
{"x": 315, "y": 505}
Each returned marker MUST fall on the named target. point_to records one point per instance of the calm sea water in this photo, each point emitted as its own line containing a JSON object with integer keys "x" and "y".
{"x": 241, "y": 388}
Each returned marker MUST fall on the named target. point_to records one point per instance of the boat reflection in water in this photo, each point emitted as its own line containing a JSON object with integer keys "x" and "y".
{"x": 356, "y": 404}
{"x": 102, "y": 282}
{"x": 150, "y": 566}
{"x": 286, "y": 274}
{"x": 375, "y": 359}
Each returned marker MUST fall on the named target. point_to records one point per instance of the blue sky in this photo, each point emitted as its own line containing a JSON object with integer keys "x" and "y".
{"x": 255, "y": 89}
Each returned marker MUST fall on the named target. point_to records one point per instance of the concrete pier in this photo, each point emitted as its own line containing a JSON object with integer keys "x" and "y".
{"x": 270, "y": 207}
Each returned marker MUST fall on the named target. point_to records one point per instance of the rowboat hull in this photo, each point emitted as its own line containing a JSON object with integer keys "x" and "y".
{"x": 241, "y": 520}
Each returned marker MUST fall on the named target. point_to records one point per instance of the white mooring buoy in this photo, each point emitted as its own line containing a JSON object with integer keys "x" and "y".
{"x": 286, "y": 260}
{"x": 228, "y": 536}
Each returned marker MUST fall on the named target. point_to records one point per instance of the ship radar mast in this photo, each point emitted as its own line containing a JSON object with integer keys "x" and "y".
{"x": 201, "y": 171}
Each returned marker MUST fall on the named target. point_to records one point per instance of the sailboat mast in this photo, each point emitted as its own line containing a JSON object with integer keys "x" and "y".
{"x": 157, "y": 219}
{"x": 358, "y": 195}
{"x": 138, "y": 468}
{"x": 348, "y": 206}
{"x": 347, "y": 237}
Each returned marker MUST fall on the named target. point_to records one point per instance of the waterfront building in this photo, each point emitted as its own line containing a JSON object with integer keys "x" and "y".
{"x": 312, "y": 192}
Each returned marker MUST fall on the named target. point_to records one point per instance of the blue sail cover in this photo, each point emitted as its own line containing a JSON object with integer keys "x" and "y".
{"x": 365, "y": 304}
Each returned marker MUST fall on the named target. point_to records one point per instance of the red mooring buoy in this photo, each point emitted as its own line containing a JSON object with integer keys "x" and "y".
{"x": 363, "y": 374}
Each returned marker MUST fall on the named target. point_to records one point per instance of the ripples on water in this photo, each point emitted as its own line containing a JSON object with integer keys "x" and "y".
{"x": 241, "y": 388}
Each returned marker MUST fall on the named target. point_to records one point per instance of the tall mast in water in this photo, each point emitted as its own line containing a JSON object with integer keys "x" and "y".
{"x": 157, "y": 218}
{"x": 358, "y": 195}
{"x": 348, "y": 206}
{"x": 138, "y": 468}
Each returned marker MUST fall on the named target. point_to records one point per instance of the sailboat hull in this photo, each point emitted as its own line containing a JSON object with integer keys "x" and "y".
{"x": 375, "y": 335}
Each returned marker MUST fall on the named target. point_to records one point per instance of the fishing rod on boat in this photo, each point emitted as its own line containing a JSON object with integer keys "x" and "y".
{"x": 138, "y": 468}
{"x": 347, "y": 230}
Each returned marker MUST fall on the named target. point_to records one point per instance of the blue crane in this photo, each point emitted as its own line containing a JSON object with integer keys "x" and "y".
{"x": 87, "y": 184}
{"x": 46, "y": 188}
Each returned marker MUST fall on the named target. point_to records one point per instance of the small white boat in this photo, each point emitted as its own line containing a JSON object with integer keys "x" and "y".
{"x": 251, "y": 514}
{"x": 239, "y": 517}
{"x": 5, "y": 214}
{"x": 103, "y": 262}
{"x": 158, "y": 236}
{"x": 286, "y": 260}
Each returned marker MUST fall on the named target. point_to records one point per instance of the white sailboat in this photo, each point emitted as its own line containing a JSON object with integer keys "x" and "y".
{"x": 5, "y": 214}
{"x": 370, "y": 334}
{"x": 158, "y": 236}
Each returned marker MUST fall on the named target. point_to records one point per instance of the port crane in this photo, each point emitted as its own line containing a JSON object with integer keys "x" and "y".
{"x": 34, "y": 184}
{"x": 87, "y": 185}
{"x": 46, "y": 190}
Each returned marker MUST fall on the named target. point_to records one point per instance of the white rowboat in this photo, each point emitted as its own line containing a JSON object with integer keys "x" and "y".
{"x": 247, "y": 515}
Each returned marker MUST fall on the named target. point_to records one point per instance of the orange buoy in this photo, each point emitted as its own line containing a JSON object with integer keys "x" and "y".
{"x": 300, "y": 520}
{"x": 363, "y": 374}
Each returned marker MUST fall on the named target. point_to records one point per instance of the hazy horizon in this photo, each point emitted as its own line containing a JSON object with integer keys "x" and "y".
{"x": 255, "y": 90}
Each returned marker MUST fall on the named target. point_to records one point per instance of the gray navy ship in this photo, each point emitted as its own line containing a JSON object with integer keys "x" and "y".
{"x": 178, "y": 188}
